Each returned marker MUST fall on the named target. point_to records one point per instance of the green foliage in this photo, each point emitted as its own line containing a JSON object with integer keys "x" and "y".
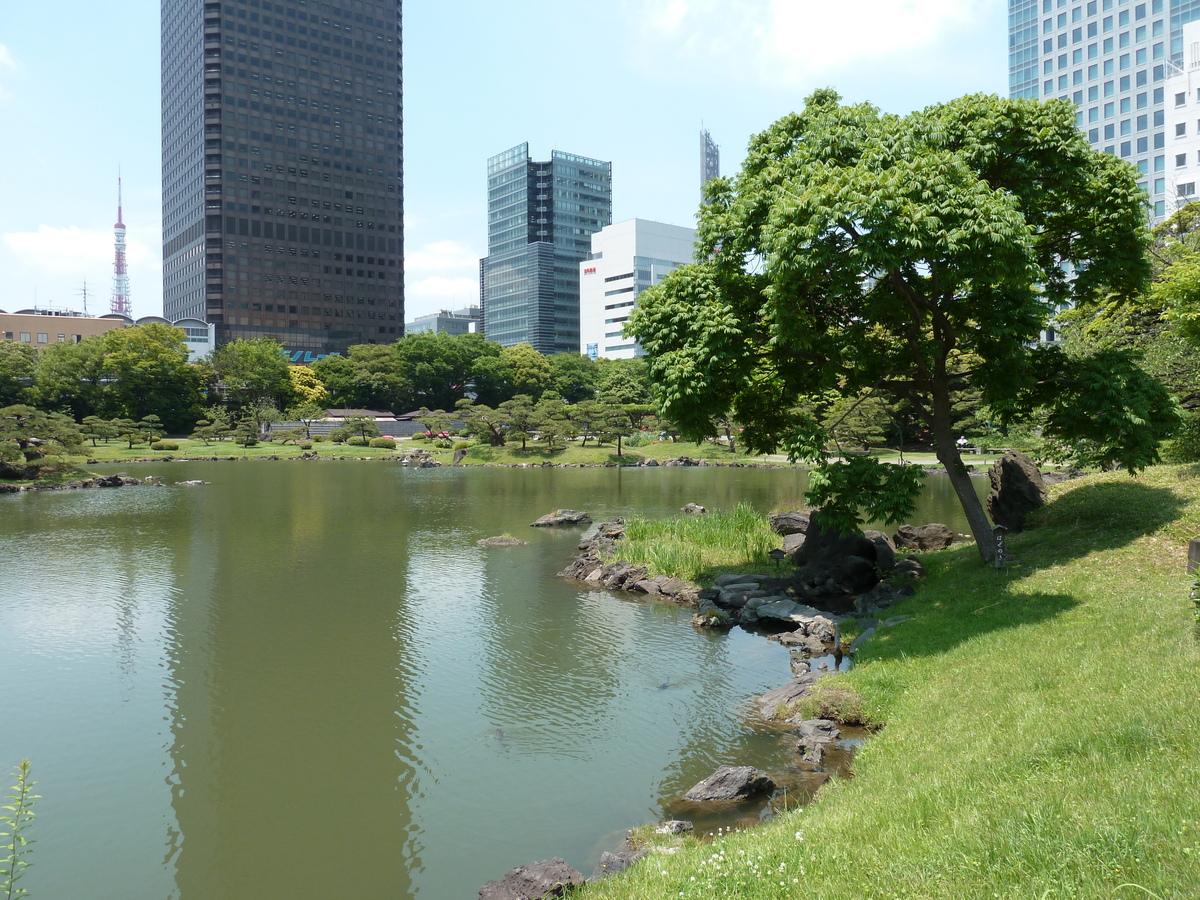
{"x": 18, "y": 362}
{"x": 73, "y": 378}
{"x": 94, "y": 428}
{"x": 304, "y": 445}
{"x": 912, "y": 257}
{"x": 306, "y": 414}
{"x": 1185, "y": 447}
{"x": 483, "y": 422}
{"x": 573, "y": 376}
{"x": 216, "y": 427}
{"x": 151, "y": 426}
{"x": 529, "y": 370}
{"x": 360, "y": 426}
{"x": 862, "y": 489}
{"x": 147, "y": 373}
{"x": 30, "y": 434}
{"x": 383, "y": 443}
{"x": 251, "y": 373}
{"x": 17, "y": 819}
{"x": 245, "y": 433}
{"x": 164, "y": 445}
{"x": 356, "y": 441}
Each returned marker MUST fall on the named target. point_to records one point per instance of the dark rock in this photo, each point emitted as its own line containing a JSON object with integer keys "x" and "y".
{"x": 501, "y": 541}
{"x": 858, "y": 641}
{"x": 615, "y": 863}
{"x": 674, "y": 826}
{"x": 730, "y": 783}
{"x": 646, "y": 587}
{"x": 1017, "y": 490}
{"x": 935, "y": 536}
{"x": 726, "y": 580}
{"x": 563, "y": 517}
{"x": 816, "y": 736}
{"x": 909, "y": 569}
{"x": 735, "y": 596}
{"x": 792, "y": 543}
{"x": 10, "y": 489}
{"x": 787, "y": 523}
{"x": 693, "y": 509}
{"x": 110, "y": 481}
{"x": 786, "y": 695}
{"x": 533, "y": 882}
{"x": 459, "y": 456}
{"x": 885, "y": 551}
{"x": 829, "y": 544}
{"x": 670, "y": 585}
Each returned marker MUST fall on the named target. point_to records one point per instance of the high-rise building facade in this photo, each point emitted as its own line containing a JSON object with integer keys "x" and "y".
{"x": 541, "y": 216}
{"x": 283, "y": 189}
{"x": 626, "y": 258}
{"x": 1111, "y": 58}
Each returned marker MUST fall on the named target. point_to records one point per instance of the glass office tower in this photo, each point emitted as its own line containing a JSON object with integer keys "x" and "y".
{"x": 541, "y": 216}
{"x": 1111, "y": 58}
{"x": 283, "y": 189}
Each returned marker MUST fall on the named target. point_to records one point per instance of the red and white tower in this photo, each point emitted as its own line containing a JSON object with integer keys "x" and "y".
{"x": 120, "y": 294}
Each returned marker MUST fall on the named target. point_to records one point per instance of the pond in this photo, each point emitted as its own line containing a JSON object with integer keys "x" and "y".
{"x": 306, "y": 680}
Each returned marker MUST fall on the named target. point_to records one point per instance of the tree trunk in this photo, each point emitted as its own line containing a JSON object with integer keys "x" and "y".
{"x": 950, "y": 458}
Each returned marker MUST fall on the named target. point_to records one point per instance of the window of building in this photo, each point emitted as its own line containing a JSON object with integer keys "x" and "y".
{"x": 1109, "y": 110}
{"x": 1180, "y": 129}
{"x": 1109, "y": 133}
{"x": 1181, "y": 160}
{"x": 25, "y": 336}
{"x": 1139, "y": 11}
{"x": 1160, "y": 185}
{"x": 1125, "y": 104}
{"x": 1077, "y": 14}
{"x": 1187, "y": 189}
{"x": 1160, "y": 163}
{"x": 1093, "y": 93}
{"x": 43, "y": 338}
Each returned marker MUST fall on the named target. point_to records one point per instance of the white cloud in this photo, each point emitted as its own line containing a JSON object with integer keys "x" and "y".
{"x": 56, "y": 250}
{"x": 441, "y": 275}
{"x": 442, "y": 256}
{"x": 439, "y": 292}
{"x": 799, "y": 43}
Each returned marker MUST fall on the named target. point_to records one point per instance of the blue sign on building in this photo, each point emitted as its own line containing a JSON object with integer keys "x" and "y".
{"x": 593, "y": 351}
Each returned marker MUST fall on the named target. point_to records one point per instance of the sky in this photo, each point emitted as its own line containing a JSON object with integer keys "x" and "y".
{"x": 629, "y": 81}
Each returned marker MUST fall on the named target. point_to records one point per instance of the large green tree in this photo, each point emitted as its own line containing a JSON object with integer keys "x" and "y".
{"x": 910, "y": 256}
{"x": 17, "y": 364}
{"x": 252, "y": 373}
{"x": 148, "y": 372}
{"x": 72, "y": 378}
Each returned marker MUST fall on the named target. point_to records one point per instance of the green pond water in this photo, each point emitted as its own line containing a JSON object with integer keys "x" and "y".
{"x": 305, "y": 680}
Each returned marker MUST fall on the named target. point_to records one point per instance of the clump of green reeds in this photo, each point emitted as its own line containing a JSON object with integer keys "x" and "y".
{"x": 697, "y": 547}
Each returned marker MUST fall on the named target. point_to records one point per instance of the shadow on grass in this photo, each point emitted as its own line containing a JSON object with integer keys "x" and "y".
{"x": 1095, "y": 517}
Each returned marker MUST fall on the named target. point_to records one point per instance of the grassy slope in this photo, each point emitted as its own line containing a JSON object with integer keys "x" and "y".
{"x": 1042, "y": 733}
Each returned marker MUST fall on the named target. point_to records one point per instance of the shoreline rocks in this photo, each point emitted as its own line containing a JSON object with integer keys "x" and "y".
{"x": 730, "y": 784}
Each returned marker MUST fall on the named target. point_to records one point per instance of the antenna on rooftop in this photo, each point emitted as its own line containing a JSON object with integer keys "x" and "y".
{"x": 120, "y": 293}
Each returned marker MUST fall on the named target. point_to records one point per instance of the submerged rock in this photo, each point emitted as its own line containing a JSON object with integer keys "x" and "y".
{"x": 563, "y": 517}
{"x": 816, "y": 736}
{"x": 501, "y": 541}
{"x": 730, "y": 783}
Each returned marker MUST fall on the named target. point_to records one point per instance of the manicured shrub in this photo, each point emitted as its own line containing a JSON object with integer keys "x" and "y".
{"x": 305, "y": 445}
{"x": 462, "y": 445}
{"x": 356, "y": 441}
{"x": 164, "y": 445}
{"x": 443, "y": 443}
{"x": 320, "y": 438}
{"x": 420, "y": 436}
{"x": 384, "y": 443}
{"x": 247, "y": 441}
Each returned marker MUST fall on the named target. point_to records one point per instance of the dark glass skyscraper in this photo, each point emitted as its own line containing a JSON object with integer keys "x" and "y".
{"x": 541, "y": 217}
{"x": 283, "y": 190}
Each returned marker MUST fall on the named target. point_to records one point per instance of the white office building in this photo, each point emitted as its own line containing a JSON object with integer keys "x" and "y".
{"x": 626, "y": 258}
{"x": 1112, "y": 59}
{"x": 1179, "y": 182}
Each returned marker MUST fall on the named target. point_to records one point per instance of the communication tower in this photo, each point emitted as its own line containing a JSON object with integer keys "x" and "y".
{"x": 710, "y": 158}
{"x": 120, "y": 294}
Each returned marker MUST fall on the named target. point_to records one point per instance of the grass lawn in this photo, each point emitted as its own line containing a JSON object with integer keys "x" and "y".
{"x": 592, "y": 454}
{"x": 1041, "y": 728}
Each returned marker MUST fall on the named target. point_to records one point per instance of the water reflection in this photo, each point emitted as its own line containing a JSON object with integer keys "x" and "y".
{"x": 306, "y": 680}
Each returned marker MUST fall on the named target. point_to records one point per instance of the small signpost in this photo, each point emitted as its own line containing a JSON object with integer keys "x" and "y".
{"x": 1193, "y": 564}
{"x": 1001, "y": 554}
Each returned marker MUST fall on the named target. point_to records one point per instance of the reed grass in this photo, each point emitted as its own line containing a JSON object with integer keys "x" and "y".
{"x": 699, "y": 547}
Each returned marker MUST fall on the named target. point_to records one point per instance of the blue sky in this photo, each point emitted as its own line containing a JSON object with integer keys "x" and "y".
{"x": 629, "y": 81}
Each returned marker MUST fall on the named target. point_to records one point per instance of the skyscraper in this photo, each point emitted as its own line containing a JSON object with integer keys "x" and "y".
{"x": 1110, "y": 58}
{"x": 541, "y": 216}
{"x": 283, "y": 191}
